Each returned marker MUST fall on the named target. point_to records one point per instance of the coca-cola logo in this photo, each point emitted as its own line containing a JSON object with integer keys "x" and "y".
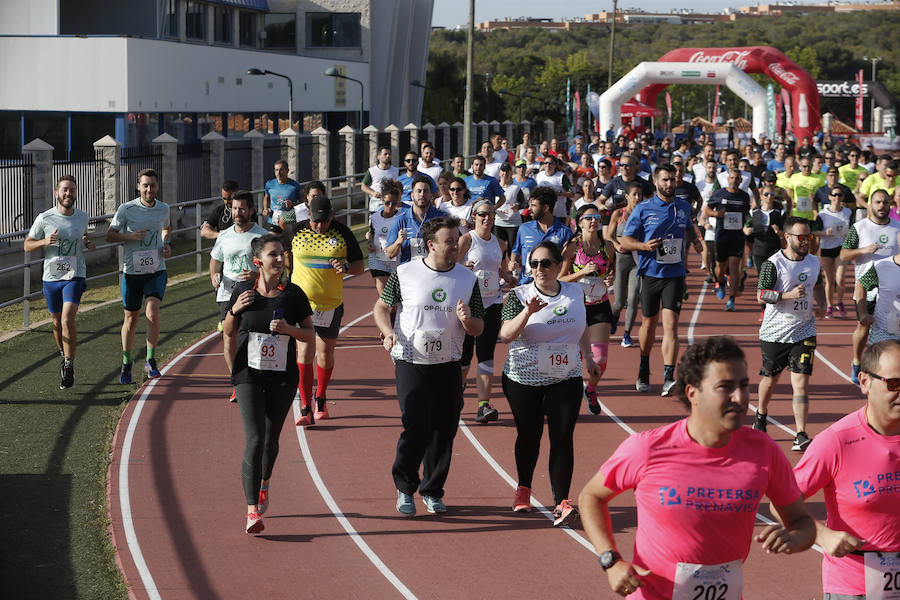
{"x": 841, "y": 89}
{"x": 786, "y": 76}
{"x": 737, "y": 57}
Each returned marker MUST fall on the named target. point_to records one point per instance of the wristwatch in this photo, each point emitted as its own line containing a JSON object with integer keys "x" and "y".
{"x": 609, "y": 558}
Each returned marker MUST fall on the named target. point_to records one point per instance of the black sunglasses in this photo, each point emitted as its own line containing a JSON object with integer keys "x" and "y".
{"x": 544, "y": 263}
{"x": 457, "y": 189}
{"x": 406, "y": 160}
{"x": 834, "y": 194}
{"x": 891, "y": 383}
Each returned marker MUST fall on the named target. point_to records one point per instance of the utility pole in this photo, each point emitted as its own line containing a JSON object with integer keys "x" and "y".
{"x": 470, "y": 58}
{"x": 612, "y": 50}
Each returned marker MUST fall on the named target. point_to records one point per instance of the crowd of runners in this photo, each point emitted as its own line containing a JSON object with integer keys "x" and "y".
{"x": 542, "y": 248}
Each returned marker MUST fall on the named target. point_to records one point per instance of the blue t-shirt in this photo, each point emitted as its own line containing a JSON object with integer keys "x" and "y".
{"x": 775, "y": 165}
{"x": 730, "y": 228}
{"x": 530, "y": 235}
{"x": 653, "y": 219}
{"x": 406, "y": 180}
{"x": 487, "y": 187}
{"x": 407, "y": 220}
{"x": 278, "y": 193}
{"x": 529, "y": 183}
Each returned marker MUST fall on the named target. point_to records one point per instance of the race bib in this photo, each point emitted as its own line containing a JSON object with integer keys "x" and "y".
{"x": 489, "y": 282}
{"x": 799, "y": 308}
{"x": 322, "y": 318}
{"x": 62, "y": 267}
{"x": 432, "y": 347}
{"x": 669, "y": 252}
{"x": 276, "y": 215}
{"x": 732, "y": 221}
{"x": 557, "y": 360}
{"x": 267, "y": 352}
{"x": 594, "y": 289}
{"x": 893, "y": 320}
{"x": 708, "y": 582}
{"x": 145, "y": 261}
{"x": 804, "y": 204}
{"x": 882, "y": 575}
{"x": 381, "y": 252}
{"x": 417, "y": 247}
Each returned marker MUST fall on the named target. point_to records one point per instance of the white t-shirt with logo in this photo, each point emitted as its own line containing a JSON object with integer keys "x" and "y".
{"x": 381, "y": 225}
{"x": 232, "y": 249}
{"x": 486, "y": 256}
{"x": 64, "y": 259}
{"x": 142, "y": 257}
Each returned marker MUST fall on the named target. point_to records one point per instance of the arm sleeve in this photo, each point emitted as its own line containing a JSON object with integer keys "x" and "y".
{"x": 391, "y": 294}
{"x": 869, "y": 279}
{"x": 768, "y": 275}
{"x": 511, "y": 308}
{"x": 851, "y": 242}
{"x": 475, "y": 304}
{"x": 217, "y": 252}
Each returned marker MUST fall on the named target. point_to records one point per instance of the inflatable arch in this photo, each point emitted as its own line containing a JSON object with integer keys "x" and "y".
{"x": 755, "y": 59}
{"x": 665, "y": 73}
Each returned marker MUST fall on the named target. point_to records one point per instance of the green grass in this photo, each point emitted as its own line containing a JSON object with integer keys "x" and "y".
{"x": 55, "y": 444}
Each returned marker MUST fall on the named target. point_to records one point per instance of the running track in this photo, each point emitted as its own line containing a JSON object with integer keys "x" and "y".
{"x": 332, "y": 531}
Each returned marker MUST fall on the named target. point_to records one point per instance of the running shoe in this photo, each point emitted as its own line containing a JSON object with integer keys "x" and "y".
{"x": 854, "y": 374}
{"x": 433, "y": 505}
{"x": 486, "y": 414}
{"x": 68, "y": 376}
{"x": 263, "y": 503}
{"x": 642, "y": 384}
{"x": 522, "y": 499}
{"x": 829, "y": 312}
{"x": 321, "y": 409}
{"x": 749, "y": 263}
{"x": 760, "y": 421}
{"x": 125, "y": 375}
{"x": 150, "y": 367}
{"x": 801, "y": 442}
{"x": 668, "y": 384}
{"x": 842, "y": 312}
{"x": 233, "y": 396}
{"x": 564, "y": 514}
{"x": 729, "y": 306}
{"x": 220, "y": 327}
{"x": 306, "y": 417}
{"x": 626, "y": 341}
{"x": 254, "y": 522}
{"x": 720, "y": 291}
{"x": 709, "y": 278}
{"x": 405, "y": 504}
{"x": 593, "y": 402}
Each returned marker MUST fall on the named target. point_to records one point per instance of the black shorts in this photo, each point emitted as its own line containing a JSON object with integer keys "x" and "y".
{"x": 508, "y": 234}
{"x": 599, "y": 313}
{"x": 377, "y": 273}
{"x": 483, "y": 346}
{"x": 796, "y": 356}
{"x": 329, "y": 331}
{"x": 665, "y": 291}
{"x": 710, "y": 250}
{"x": 870, "y": 308}
{"x": 223, "y": 309}
{"x": 729, "y": 248}
{"x": 830, "y": 252}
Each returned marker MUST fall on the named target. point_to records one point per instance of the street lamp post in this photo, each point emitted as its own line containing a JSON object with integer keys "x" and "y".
{"x": 419, "y": 84}
{"x": 874, "y": 60}
{"x": 332, "y": 72}
{"x": 255, "y": 71}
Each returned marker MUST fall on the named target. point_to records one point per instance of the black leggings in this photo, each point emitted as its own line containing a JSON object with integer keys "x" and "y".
{"x": 263, "y": 409}
{"x": 529, "y": 403}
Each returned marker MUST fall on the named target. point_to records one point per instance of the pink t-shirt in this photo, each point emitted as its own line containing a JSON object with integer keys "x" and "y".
{"x": 860, "y": 473}
{"x": 696, "y": 504}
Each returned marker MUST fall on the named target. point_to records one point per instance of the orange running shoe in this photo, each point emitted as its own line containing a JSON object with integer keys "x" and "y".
{"x": 306, "y": 417}
{"x": 522, "y": 501}
{"x": 564, "y": 514}
{"x": 321, "y": 409}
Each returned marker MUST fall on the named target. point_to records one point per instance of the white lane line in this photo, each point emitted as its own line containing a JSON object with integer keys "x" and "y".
{"x": 124, "y": 492}
{"x": 513, "y": 484}
{"x": 357, "y": 347}
{"x": 696, "y": 315}
{"x": 339, "y": 515}
{"x": 208, "y": 354}
{"x": 333, "y": 506}
{"x": 833, "y": 367}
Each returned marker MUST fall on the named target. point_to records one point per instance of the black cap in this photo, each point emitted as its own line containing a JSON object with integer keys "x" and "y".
{"x": 505, "y": 167}
{"x": 770, "y": 177}
{"x": 319, "y": 209}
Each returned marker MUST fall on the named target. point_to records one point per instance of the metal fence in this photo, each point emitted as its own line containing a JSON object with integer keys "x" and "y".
{"x": 193, "y": 179}
{"x": 271, "y": 153}
{"x": 238, "y": 162}
{"x": 16, "y": 206}
{"x": 307, "y": 151}
{"x": 87, "y": 169}
{"x": 133, "y": 161}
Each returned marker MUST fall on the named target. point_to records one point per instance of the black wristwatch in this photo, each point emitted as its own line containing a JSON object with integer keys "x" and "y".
{"x": 609, "y": 558}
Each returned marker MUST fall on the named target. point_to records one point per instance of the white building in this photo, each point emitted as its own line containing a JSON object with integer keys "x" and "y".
{"x": 75, "y": 70}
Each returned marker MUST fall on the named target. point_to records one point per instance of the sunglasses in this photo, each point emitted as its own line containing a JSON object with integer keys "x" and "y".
{"x": 767, "y": 193}
{"x": 805, "y": 236}
{"x": 625, "y": 165}
{"x": 484, "y": 214}
{"x": 544, "y": 263}
{"x": 547, "y": 164}
{"x": 406, "y": 160}
{"x": 391, "y": 203}
{"x": 891, "y": 383}
{"x": 457, "y": 189}
{"x": 521, "y": 166}
{"x": 591, "y": 217}
{"x": 835, "y": 194}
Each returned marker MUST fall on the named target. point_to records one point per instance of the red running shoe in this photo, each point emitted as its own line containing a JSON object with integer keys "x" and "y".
{"x": 263, "y": 503}
{"x": 254, "y": 522}
{"x": 306, "y": 418}
{"x": 522, "y": 501}
{"x": 564, "y": 514}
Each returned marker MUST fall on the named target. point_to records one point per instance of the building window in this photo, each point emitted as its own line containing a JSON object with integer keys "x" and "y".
{"x": 195, "y": 21}
{"x": 281, "y": 30}
{"x": 223, "y": 20}
{"x": 248, "y": 29}
{"x": 170, "y": 23}
{"x": 333, "y": 30}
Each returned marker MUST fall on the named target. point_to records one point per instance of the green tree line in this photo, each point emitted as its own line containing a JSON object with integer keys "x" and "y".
{"x": 532, "y": 65}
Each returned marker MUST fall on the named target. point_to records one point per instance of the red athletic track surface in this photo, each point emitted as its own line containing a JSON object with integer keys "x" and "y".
{"x": 183, "y": 481}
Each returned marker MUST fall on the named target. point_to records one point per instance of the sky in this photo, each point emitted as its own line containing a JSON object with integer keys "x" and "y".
{"x": 450, "y": 13}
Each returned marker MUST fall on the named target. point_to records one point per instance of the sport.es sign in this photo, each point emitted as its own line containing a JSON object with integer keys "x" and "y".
{"x": 841, "y": 89}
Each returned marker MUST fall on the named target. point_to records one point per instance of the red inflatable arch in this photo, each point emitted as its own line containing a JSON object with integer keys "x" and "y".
{"x": 757, "y": 59}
